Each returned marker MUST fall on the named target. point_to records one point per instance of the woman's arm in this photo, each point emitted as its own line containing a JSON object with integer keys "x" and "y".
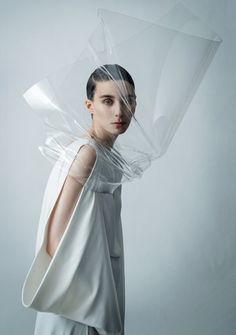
{"x": 75, "y": 180}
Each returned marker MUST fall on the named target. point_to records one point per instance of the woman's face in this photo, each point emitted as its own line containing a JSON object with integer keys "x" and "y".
{"x": 112, "y": 107}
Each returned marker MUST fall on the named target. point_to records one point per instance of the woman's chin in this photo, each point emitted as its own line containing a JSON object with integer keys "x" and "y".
{"x": 119, "y": 129}
{"x": 119, "y": 132}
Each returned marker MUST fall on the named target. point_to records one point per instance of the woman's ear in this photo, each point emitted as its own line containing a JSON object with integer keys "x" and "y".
{"x": 89, "y": 105}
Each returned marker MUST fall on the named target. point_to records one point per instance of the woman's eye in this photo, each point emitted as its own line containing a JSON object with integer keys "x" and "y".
{"x": 108, "y": 101}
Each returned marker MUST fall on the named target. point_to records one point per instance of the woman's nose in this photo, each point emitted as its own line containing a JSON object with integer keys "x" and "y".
{"x": 121, "y": 109}
{"x": 118, "y": 111}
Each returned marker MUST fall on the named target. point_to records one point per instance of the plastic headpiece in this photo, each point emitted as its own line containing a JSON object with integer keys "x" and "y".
{"x": 140, "y": 78}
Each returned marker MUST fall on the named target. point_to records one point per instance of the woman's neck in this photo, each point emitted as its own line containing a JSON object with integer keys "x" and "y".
{"x": 102, "y": 138}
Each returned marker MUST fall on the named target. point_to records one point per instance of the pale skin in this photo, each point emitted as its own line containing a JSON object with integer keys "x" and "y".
{"x": 111, "y": 117}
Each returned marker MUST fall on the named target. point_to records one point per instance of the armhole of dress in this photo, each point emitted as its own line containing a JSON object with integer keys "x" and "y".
{"x": 45, "y": 234}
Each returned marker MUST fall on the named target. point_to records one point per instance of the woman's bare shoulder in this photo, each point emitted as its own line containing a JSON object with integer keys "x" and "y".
{"x": 84, "y": 161}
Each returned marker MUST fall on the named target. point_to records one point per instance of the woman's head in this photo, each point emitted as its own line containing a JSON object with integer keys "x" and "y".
{"x": 105, "y": 73}
{"x": 111, "y": 99}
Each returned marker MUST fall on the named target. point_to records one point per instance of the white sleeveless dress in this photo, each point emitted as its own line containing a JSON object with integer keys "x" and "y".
{"x": 81, "y": 289}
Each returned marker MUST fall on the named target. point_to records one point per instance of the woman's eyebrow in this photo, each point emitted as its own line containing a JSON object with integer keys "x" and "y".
{"x": 106, "y": 96}
{"x": 112, "y": 96}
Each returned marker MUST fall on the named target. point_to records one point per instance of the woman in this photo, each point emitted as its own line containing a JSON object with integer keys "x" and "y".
{"x": 76, "y": 281}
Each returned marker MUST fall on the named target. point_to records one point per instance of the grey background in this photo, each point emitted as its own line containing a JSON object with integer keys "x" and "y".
{"x": 178, "y": 220}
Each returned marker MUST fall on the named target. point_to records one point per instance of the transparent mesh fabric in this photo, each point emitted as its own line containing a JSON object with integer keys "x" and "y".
{"x": 167, "y": 61}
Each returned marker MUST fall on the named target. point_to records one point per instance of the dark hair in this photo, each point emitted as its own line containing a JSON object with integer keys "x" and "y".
{"x": 104, "y": 73}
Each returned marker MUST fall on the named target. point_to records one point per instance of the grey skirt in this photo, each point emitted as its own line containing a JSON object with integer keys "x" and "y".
{"x": 53, "y": 324}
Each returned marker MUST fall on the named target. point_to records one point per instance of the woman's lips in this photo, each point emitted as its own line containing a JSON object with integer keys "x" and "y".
{"x": 119, "y": 124}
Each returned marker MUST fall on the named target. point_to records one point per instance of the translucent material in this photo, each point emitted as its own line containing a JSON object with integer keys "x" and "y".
{"x": 167, "y": 60}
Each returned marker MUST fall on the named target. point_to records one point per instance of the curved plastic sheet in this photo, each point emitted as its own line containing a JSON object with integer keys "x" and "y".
{"x": 167, "y": 60}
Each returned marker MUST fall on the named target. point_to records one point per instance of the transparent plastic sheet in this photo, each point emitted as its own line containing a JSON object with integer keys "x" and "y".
{"x": 167, "y": 61}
